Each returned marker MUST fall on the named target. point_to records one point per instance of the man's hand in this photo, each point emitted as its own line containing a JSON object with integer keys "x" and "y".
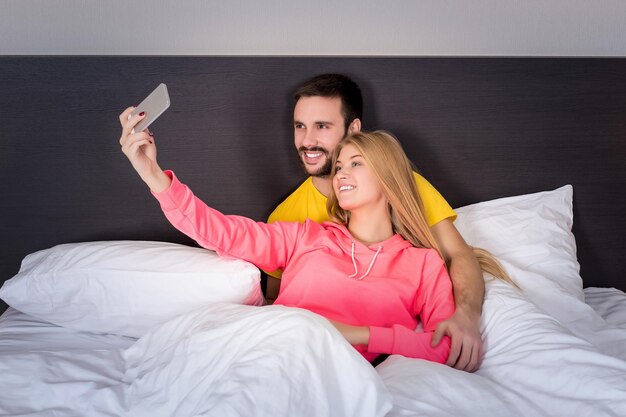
{"x": 466, "y": 352}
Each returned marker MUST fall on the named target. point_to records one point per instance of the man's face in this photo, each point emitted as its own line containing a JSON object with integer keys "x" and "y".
{"x": 318, "y": 127}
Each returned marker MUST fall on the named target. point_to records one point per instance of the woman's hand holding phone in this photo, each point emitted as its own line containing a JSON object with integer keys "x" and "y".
{"x": 140, "y": 149}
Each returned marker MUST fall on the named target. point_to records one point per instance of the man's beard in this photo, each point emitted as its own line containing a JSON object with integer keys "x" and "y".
{"x": 325, "y": 170}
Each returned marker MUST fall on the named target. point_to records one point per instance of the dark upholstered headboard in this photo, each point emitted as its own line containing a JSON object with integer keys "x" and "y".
{"x": 478, "y": 128}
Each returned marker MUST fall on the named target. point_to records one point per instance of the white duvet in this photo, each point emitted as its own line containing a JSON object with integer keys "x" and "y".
{"x": 533, "y": 366}
{"x": 222, "y": 360}
{"x": 230, "y": 360}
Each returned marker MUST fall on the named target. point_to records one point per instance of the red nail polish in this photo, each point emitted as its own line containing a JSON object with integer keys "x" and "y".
{"x": 142, "y": 113}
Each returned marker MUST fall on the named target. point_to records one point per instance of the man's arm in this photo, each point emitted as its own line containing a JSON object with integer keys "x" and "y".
{"x": 469, "y": 289}
{"x": 271, "y": 289}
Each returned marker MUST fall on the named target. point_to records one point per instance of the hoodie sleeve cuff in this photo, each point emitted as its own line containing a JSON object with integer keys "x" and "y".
{"x": 381, "y": 339}
{"x": 171, "y": 196}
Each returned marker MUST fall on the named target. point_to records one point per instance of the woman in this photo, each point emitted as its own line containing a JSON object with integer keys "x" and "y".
{"x": 373, "y": 272}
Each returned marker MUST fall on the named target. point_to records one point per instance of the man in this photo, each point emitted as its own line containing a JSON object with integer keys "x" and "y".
{"x": 328, "y": 108}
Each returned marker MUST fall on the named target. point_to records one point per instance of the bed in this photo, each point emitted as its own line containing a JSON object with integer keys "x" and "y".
{"x": 111, "y": 312}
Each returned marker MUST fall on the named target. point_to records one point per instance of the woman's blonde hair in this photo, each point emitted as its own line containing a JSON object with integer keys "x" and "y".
{"x": 384, "y": 154}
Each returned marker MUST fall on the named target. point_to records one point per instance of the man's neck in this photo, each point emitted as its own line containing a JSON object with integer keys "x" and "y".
{"x": 323, "y": 184}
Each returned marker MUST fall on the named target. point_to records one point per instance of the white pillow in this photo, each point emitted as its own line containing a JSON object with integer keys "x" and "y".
{"x": 531, "y": 235}
{"x": 126, "y": 287}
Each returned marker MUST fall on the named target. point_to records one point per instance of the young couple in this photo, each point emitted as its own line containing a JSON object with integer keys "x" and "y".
{"x": 378, "y": 267}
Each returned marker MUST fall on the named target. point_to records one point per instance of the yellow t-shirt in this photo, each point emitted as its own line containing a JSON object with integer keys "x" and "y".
{"x": 306, "y": 202}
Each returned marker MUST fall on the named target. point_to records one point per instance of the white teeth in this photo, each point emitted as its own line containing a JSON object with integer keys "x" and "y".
{"x": 313, "y": 155}
{"x": 346, "y": 187}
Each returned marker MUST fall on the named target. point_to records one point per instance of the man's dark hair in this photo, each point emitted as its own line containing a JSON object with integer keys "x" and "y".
{"x": 335, "y": 85}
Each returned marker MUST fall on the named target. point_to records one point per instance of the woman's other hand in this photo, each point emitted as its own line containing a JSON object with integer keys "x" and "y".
{"x": 355, "y": 335}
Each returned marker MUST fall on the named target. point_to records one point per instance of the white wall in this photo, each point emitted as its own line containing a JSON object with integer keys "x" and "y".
{"x": 322, "y": 27}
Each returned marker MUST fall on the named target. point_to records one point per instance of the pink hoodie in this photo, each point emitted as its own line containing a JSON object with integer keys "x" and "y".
{"x": 386, "y": 286}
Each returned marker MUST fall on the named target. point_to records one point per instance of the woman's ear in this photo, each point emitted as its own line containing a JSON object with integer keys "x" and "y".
{"x": 354, "y": 127}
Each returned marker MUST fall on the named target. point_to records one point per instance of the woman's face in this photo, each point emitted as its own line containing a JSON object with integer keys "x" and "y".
{"x": 355, "y": 183}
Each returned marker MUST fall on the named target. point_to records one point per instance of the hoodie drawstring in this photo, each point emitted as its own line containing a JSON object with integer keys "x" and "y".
{"x": 356, "y": 271}
{"x": 369, "y": 268}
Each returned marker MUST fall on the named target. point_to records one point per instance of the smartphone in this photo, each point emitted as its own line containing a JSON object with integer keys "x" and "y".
{"x": 154, "y": 105}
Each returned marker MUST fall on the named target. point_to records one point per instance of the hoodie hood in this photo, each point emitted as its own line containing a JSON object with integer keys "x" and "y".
{"x": 350, "y": 245}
